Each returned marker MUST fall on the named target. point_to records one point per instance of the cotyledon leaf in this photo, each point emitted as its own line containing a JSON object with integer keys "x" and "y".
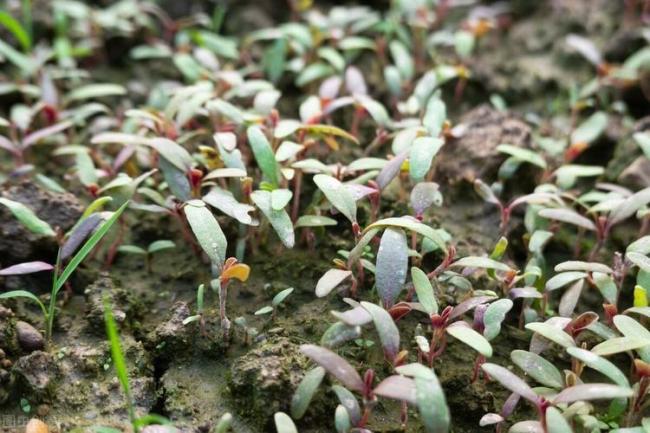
{"x": 27, "y": 217}
{"x": 279, "y": 219}
{"x": 392, "y": 263}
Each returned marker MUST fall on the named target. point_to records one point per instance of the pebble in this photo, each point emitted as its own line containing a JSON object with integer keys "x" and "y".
{"x": 36, "y": 426}
{"x": 28, "y": 337}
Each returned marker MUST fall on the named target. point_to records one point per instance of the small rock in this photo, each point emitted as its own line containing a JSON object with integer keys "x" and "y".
{"x": 2, "y": 354}
{"x": 28, "y": 337}
{"x": 36, "y": 426}
{"x": 6, "y": 363}
{"x": 5, "y": 313}
{"x": 42, "y": 410}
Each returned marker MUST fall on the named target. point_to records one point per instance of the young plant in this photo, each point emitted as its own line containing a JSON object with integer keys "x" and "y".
{"x": 154, "y": 247}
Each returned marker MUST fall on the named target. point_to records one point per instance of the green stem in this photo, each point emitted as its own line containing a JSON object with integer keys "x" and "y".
{"x": 52, "y": 306}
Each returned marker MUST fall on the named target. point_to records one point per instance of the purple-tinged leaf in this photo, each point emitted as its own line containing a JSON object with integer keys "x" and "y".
{"x": 26, "y": 268}
{"x": 423, "y": 195}
{"x": 354, "y": 82}
{"x": 397, "y": 388}
{"x": 36, "y": 136}
{"x": 592, "y": 391}
{"x": 329, "y": 88}
{"x": 79, "y": 234}
{"x": 335, "y": 365}
{"x": 570, "y": 298}
{"x": 510, "y": 404}
{"x": 386, "y": 328}
{"x": 392, "y": 264}
{"x": 358, "y": 316}
{"x": 469, "y": 304}
{"x": 510, "y": 381}
{"x": 391, "y": 169}
{"x": 331, "y": 280}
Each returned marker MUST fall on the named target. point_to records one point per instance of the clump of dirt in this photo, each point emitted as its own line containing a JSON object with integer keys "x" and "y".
{"x": 263, "y": 380}
{"x": 58, "y": 210}
{"x": 473, "y": 155}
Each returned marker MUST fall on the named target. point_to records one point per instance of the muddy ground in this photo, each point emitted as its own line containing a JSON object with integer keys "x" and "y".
{"x": 193, "y": 377}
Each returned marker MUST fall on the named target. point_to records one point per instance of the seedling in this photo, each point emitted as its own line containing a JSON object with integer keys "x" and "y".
{"x": 277, "y": 301}
{"x": 154, "y": 247}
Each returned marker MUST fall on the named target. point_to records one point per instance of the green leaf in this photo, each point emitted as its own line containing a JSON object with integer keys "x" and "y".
{"x": 470, "y": 337}
{"x": 132, "y": 249}
{"x": 424, "y": 290}
{"x": 313, "y": 72}
{"x": 481, "y": 262}
{"x": 321, "y": 130}
{"x": 314, "y": 221}
{"x": 522, "y": 154}
{"x": 338, "y": 195}
{"x": 21, "y": 61}
{"x": 564, "y": 278}
{"x": 392, "y": 263}
{"x": 590, "y": 129}
{"x": 281, "y": 296}
{"x": 331, "y": 280}
{"x": 305, "y": 391}
{"x": 117, "y": 355}
{"x": 421, "y": 155}
{"x": 386, "y": 328}
{"x": 28, "y": 218}
{"x": 280, "y": 198}
{"x": 173, "y": 152}
{"x": 24, "y": 294}
{"x": 160, "y": 245}
{"x": 493, "y": 316}
{"x": 552, "y": 333}
{"x": 631, "y": 328}
{"x": 263, "y": 154}
{"x": 430, "y": 398}
{"x": 538, "y": 368}
{"x": 556, "y": 422}
{"x": 620, "y": 344}
{"x": 402, "y": 59}
{"x": 207, "y": 230}
{"x": 16, "y": 29}
{"x": 568, "y": 216}
{"x": 264, "y": 310}
{"x": 410, "y": 224}
{"x": 279, "y": 219}
{"x": 599, "y": 364}
{"x": 92, "y": 91}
